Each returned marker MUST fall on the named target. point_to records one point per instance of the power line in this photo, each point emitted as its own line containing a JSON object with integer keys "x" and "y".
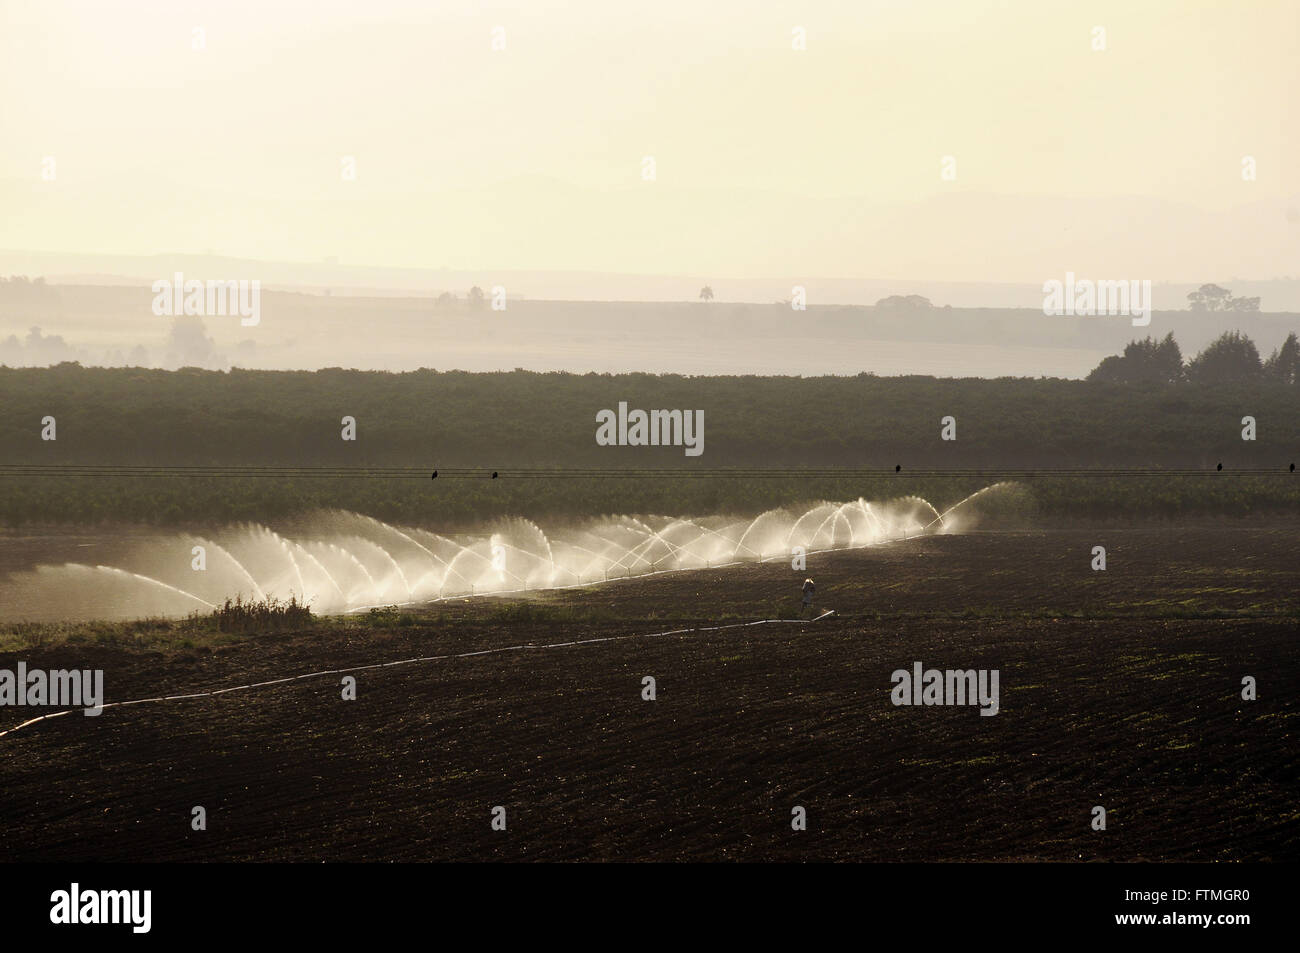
{"x": 625, "y": 473}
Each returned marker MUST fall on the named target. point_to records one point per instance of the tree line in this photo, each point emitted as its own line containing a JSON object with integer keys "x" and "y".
{"x": 1230, "y": 358}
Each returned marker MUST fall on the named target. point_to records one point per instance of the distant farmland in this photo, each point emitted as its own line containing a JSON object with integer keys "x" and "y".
{"x": 430, "y": 420}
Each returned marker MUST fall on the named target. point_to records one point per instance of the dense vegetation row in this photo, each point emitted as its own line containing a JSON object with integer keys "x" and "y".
{"x": 520, "y": 419}
{"x": 454, "y": 506}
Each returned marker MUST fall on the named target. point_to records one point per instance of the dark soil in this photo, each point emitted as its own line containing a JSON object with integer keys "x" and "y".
{"x": 1119, "y": 688}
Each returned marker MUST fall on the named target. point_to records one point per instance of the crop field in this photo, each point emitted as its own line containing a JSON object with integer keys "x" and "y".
{"x": 1120, "y": 689}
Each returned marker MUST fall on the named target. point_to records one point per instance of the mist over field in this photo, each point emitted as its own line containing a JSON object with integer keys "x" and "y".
{"x": 103, "y": 325}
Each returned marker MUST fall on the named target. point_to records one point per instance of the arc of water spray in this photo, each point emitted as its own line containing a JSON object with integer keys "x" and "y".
{"x": 626, "y": 544}
{"x": 257, "y": 590}
{"x": 940, "y": 516}
{"x": 156, "y": 582}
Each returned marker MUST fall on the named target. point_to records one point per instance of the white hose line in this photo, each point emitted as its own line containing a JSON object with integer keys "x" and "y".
{"x": 412, "y": 661}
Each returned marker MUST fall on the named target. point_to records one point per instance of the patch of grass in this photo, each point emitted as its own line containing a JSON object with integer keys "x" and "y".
{"x": 225, "y": 625}
{"x": 391, "y": 617}
{"x": 143, "y": 633}
{"x": 264, "y": 615}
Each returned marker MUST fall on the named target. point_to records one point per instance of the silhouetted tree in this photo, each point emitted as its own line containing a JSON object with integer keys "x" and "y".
{"x": 1214, "y": 298}
{"x": 1110, "y": 370}
{"x": 1209, "y": 298}
{"x": 189, "y": 345}
{"x": 1230, "y": 357}
{"x": 476, "y": 298}
{"x": 1168, "y": 360}
{"x": 905, "y": 303}
{"x": 706, "y": 293}
{"x": 1284, "y": 363}
{"x": 1143, "y": 362}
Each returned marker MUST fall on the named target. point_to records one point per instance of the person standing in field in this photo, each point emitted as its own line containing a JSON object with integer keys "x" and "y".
{"x": 808, "y": 589}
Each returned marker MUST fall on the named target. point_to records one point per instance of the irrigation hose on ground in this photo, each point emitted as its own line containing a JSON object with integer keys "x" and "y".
{"x": 411, "y": 661}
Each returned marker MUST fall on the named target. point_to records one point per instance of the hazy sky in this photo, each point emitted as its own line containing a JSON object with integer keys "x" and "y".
{"x": 825, "y": 161}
